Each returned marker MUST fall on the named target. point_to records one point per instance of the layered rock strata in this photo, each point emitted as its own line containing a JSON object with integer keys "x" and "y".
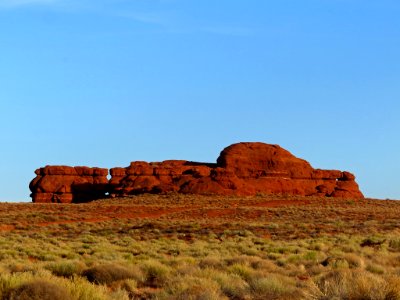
{"x": 63, "y": 184}
{"x": 241, "y": 169}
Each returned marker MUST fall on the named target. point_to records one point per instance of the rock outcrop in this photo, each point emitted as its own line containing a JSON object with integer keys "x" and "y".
{"x": 241, "y": 169}
{"x": 62, "y": 184}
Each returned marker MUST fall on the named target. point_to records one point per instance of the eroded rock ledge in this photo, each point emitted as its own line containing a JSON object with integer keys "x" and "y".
{"x": 62, "y": 184}
{"x": 241, "y": 169}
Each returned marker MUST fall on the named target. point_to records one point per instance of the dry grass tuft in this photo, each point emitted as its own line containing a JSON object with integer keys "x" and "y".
{"x": 39, "y": 290}
{"x": 107, "y": 274}
{"x": 357, "y": 285}
{"x": 155, "y": 273}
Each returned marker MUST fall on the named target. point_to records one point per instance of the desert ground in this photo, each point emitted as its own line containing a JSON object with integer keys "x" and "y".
{"x": 178, "y": 246}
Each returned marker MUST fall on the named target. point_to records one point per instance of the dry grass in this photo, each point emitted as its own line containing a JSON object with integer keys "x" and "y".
{"x": 201, "y": 247}
{"x": 107, "y": 274}
{"x": 38, "y": 290}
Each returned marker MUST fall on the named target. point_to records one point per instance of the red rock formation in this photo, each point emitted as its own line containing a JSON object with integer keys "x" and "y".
{"x": 241, "y": 169}
{"x": 167, "y": 176}
{"x": 62, "y": 184}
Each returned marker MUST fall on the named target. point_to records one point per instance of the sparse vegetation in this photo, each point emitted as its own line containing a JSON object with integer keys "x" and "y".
{"x": 107, "y": 274}
{"x": 38, "y": 290}
{"x": 192, "y": 247}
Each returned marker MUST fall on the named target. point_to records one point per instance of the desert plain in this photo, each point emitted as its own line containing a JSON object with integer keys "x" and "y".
{"x": 176, "y": 246}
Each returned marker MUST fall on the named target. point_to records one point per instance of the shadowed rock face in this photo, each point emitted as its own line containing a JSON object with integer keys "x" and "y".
{"x": 241, "y": 169}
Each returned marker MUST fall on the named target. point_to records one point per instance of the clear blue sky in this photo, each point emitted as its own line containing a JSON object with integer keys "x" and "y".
{"x": 106, "y": 82}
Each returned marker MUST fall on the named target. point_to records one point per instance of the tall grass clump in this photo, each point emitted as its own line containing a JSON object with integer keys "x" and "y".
{"x": 66, "y": 268}
{"x": 274, "y": 286}
{"x": 233, "y": 286}
{"x": 38, "y": 290}
{"x": 155, "y": 273}
{"x": 357, "y": 285}
{"x": 192, "y": 288}
{"x": 106, "y": 274}
{"x": 18, "y": 285}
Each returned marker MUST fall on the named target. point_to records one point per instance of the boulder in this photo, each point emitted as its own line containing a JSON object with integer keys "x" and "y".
{"x": 251, "y": 160}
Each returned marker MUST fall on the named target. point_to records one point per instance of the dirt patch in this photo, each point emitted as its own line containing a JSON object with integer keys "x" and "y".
{"x": 7, "y": 227}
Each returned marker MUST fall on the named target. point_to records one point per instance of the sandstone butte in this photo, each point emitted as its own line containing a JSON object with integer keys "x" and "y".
{"x": 241, "y": 169}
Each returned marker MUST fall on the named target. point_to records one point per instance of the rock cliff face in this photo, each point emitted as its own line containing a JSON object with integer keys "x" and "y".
{"x": 241, "y": 169}
{"x": 62, "y": 184}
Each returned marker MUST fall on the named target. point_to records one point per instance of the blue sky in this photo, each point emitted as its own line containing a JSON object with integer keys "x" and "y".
{"x": 106, "y": 82}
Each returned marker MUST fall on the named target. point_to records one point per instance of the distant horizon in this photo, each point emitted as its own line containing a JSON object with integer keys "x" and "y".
{"x": 109, "y": 82}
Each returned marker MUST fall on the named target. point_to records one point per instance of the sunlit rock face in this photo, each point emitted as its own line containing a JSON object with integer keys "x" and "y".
{"x": 241, "y": 169}
{"x": 63, "y": 184}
